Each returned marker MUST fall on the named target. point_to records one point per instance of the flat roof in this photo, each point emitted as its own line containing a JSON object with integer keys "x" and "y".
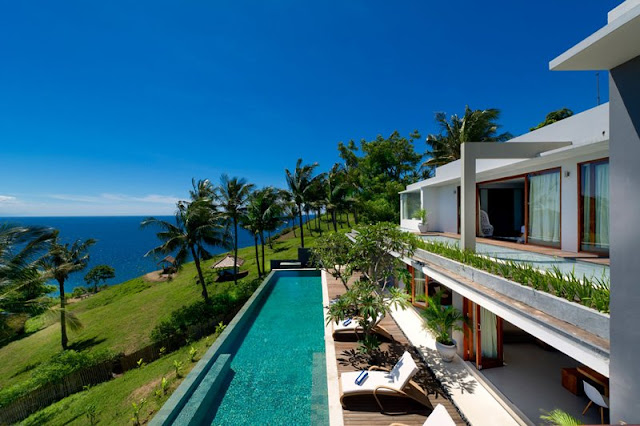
{"x": 610, "y": 46}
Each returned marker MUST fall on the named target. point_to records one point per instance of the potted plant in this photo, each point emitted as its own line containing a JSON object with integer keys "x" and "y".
{"x": 422, "y": 215}
{"x": 442, "y": 321}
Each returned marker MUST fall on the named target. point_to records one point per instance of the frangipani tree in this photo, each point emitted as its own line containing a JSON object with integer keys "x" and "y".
{"x": 332, "y": 253}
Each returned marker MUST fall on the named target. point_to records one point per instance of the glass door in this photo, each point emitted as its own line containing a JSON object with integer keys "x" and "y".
{"x": 544, "y": 208}
{"x": 418, "y": 287}
{"x": 594, "y": 206}
{"x": 482, "y": 336}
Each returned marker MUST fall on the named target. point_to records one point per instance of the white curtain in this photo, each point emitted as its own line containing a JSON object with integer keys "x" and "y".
{"x": 586, "y": 203}
{"x": 419, "y": 281}
{"x": 488, "y": 333}
{"x": 602, "y": 205}
{"x": 544, "y": 208}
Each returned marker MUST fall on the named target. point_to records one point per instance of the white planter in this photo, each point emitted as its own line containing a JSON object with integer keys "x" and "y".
{"x": 422, "y": 227}
{"x": 446, "y": 352}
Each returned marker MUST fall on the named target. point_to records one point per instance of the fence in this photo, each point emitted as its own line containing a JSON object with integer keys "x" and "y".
{"x": 46, "y": 395}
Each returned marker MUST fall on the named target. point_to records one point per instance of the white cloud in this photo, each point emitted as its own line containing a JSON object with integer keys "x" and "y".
{"x": 7, "y": 199}
{"x": 107, "y": 198}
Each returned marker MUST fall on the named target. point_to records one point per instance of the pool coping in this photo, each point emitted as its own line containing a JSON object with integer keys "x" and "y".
{"x": 336, "y": 416}
{"x": 176, "y": 402}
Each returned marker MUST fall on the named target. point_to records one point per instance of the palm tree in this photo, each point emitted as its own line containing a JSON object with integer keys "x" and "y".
{"x": 21, "y": 248}
{"x": 300, "y": 185}
{"x": 334, "y": 192}
{"x": 196, "y": 223}
{"x": 474, "y": 126}
{"x": 233, "y": 194}
{"x": 290, "y": 213}
{"x": 61, "y": 261}
{"x": 251, "y": 222}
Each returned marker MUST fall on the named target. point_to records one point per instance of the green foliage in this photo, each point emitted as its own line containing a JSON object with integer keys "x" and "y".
{"x": 60, "y": 365}
{"x": 594, "y": 293}
{"x": 474, "y": 126}
{"x": 301, "y": 183}
{"x": 192, "y": 354}
{"x": 177, "y": 366}
{"x": 558, "y": 417}
{"x": 332, "y": 252}
{"x": 554, "y": 116}
{"x": 422, "y": 215}
{"x": 137, "y": 408}
{"x": 370, "y": 251}
{"x": 199, "y": 312}
{"x": 440, "y": 319}
{"x": 99, "y": 274}
{"x": 219, "y": 329}
{"x": 366, "y": 304}
{"x": 79, "y": 292}
{"x": 92, "y": 414}
{"x": 140, "y": 363}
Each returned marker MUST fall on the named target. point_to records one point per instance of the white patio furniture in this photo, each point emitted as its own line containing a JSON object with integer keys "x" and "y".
{"x": 595, "y": 397}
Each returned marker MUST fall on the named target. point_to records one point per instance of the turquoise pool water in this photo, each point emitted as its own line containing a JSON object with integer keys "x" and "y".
{"x": 278, "y": 369}
{"x": 540, "y": 261}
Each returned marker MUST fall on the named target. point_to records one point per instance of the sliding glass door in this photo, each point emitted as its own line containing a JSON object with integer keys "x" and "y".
{"x": 482, "y": 336}
{"x": 594, "y": 206}
{"x": 544, "y": 208}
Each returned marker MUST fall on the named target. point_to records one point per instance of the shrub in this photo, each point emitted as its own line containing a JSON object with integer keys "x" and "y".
{"x": 79, "y": 291}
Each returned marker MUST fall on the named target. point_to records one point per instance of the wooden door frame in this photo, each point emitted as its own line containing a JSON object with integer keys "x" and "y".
{"x": 469, "y": 308}
{"x": 595, "y": 162}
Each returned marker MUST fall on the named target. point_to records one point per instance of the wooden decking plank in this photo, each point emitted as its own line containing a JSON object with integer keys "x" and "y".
{"x": 364, "y": 410}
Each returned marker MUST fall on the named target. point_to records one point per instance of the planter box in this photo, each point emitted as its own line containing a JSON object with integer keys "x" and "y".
{"x": 585, "y": 318}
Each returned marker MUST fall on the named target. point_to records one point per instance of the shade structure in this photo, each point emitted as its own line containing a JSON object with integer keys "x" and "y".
{"x": 227, "y": 262}
{"x": 168, "y": 259}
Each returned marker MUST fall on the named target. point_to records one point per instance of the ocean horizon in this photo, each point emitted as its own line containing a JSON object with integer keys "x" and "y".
{"x": 121, "y": 243}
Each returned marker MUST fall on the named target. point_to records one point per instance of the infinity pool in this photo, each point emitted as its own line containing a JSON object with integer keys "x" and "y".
{"x": 539, "y": 261}
{"x": 267, "y": 368}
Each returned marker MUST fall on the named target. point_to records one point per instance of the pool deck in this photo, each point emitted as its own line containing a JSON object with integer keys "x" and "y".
{"x": 548, "y": 251}
{"x": 343, "y": 356}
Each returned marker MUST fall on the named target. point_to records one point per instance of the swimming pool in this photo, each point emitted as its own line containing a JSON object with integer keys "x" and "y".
{"x": 276, "y": 371}
{"x": 539, "y": 261}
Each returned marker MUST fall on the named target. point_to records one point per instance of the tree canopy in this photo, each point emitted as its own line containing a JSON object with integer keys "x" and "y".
{"x": 554, "y": 116}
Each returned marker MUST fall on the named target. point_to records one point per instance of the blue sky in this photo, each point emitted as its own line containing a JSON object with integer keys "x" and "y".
{"x": 110, "y": 108}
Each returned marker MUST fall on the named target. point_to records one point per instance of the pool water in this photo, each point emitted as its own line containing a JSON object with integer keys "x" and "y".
{"x": 539, "y": 261}
{"x": 278, "y": 368}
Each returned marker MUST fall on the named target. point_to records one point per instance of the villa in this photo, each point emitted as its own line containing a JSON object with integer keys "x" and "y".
{"x": 546, "y": 199}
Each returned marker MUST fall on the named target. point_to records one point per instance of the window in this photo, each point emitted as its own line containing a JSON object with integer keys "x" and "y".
{"x": 594, "y": 206}
{"x": 410, "y": 205}
{"x": 544, "y": 208}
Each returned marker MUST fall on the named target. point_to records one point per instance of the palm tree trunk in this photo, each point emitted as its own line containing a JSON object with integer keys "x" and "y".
{"x": 63, "y": 319}
{"x": 333, "y": 219}
{"x": 319, "y": 223}
{"x": 255, "y": 240}
{"x": 293, "y": 226}
{"x": 301, "y": 227}
{"x": 235, "y": 251}
{"x": 348, "y": 223}
{"x": 355, "y": 216}
{"x": 264, "y": 267}
{"x": 196, "y": 260}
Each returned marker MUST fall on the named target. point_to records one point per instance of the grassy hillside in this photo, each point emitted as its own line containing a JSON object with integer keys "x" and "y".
{"x": 121, "y": 318}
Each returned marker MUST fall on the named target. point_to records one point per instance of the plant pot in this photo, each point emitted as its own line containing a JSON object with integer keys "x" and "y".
{"x": 447, "y": 352}
{"x": 422, "y": 227}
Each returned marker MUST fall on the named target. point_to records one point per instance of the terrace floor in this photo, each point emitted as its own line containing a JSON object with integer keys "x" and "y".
{"x": 364, "y": 410}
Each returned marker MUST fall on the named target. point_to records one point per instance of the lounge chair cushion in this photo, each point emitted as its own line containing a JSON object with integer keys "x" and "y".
{"x": 398, "y": 378}
{"x": 353, "y": 325}
{"x": 439, "y": 417}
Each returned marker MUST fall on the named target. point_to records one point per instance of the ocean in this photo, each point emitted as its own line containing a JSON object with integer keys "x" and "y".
{"x": 120, "y": 244}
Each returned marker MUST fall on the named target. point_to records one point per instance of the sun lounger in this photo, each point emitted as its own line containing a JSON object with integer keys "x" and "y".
{"x": 380, "y": 382}
{"x": 438, "y": 417}
{"x": 354, "y": 327}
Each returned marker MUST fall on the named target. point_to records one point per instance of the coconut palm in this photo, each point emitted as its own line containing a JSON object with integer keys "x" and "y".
{"x": 474, "y": 126}
{"x": 197, "y": 224}
{"x": 334, "y": 192}
{"x": 232, "y": 196}
{"x": 251, "y": 222}
{"x": 61, "y": 261}
{"x": 290, "y": 212}
{"x": 300, "y": 184}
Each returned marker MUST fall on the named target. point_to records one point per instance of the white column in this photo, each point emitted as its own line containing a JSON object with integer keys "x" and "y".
{"x": 468, "y": 197}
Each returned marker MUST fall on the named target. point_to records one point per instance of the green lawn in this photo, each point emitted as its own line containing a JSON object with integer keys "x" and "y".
{"x": 121, "y": 317}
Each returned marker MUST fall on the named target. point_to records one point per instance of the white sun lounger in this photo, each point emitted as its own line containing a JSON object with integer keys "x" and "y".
{"x": 354, "y": 327}
{"x": 438, "y": 417}
{"x": 396, "y": 382}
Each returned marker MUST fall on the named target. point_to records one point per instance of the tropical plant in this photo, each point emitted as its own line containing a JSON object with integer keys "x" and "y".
{"x": 558, "y": 417}
{"x": 61, "y": 261}
{"x": 264, "y": 214}
{"x": 196, "y": 223}
{"x": 177, "y": 366}
{"x": 366, "y": 304}
{"x": 335, "y": 193}
{"x": 372, "y": 247}
{"x": 192, "y": 354}
{"x": 137, "y": 408}
{"x": 441, "y": 319}
{"x": 99, "y": 274}
{"x": 474, "y": 126}
{"x": 332, "y": 252}
{"x": 301, "y": 182}
{"x": 290, "y": 213}
{"x": 232, "y": 196}
{"x": 422, "y": 215}
{"x": 554, "y": 116}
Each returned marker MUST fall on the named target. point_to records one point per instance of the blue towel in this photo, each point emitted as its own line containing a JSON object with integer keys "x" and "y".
{"x": 361, "y": 377}
{"x": 347, "y": 321}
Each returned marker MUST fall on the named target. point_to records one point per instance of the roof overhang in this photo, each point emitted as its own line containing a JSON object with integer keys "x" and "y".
{"x": 607, "y": 48}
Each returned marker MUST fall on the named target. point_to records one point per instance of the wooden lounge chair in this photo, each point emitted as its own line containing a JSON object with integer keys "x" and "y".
{"x": 354, "y": 327}
{"x": 438, "y": 417}
{"x": 381, "y": 382}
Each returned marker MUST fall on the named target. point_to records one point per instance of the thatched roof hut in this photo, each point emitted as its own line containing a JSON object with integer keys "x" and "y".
{"x": 227, "y": 262}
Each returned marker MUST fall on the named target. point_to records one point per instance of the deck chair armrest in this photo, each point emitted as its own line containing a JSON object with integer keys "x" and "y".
{"x": 375, "y": 394}
{"x": 376, "y": 368}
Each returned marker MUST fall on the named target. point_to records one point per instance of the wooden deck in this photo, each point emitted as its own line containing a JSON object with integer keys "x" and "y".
{"x": 364, "y": 410}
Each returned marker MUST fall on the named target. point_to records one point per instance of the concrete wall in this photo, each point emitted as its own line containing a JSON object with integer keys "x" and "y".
{"x": 625, "y": 238}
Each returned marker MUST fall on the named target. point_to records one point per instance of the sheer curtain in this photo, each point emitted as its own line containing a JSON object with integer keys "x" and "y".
{"x": 489, "y": 333}
{"x": 544, "y": 208}
{"x": 602, "y": 205}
